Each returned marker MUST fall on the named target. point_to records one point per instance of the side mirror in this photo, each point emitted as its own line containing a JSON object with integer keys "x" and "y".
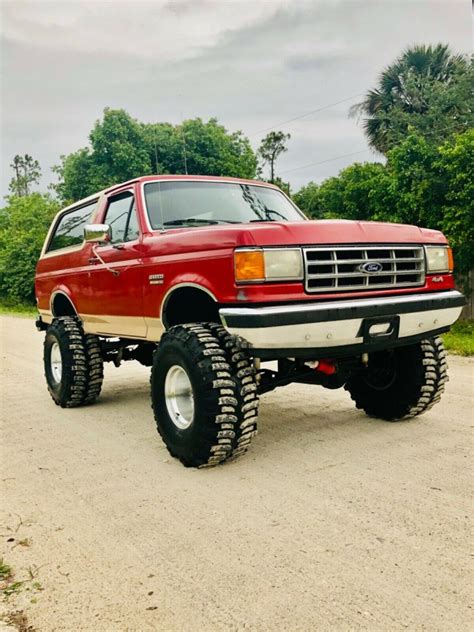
{"x": 97, "y": 233}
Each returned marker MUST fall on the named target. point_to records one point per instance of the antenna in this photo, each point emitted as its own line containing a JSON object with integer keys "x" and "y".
{"x": 184, "y": 151}
{"x": 184, "y": 143}
{"x": 156, "y": 158}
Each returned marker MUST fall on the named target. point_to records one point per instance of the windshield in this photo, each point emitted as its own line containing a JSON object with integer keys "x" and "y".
{"x": 193, "y": 203}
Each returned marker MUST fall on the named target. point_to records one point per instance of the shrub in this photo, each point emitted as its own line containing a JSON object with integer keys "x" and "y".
{"x": 24, "y": 222}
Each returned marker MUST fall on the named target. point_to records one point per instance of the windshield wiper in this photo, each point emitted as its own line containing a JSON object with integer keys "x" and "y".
{"x": 197, "y": 221}
{"x": 266, "y": 219}
{"x": 188, "y": 220}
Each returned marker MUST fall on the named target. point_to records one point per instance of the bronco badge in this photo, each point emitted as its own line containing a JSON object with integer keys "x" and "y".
{"x": 156, "y": 279}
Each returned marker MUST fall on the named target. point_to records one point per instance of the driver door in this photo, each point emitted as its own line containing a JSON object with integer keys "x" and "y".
{"x": 116, "y": 272}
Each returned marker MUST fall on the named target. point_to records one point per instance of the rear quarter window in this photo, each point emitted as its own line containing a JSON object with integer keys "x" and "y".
{"x": 69, "y": 231}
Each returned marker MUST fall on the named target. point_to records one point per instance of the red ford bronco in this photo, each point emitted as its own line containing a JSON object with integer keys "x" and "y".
{"x": 205, "y": 279}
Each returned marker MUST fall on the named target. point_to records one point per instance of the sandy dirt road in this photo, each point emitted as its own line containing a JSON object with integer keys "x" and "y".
{"x": 333, "y": 521}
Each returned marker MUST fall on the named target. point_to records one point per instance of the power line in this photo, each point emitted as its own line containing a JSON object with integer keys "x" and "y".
{"x": 297, "y": 118}
{"x": 321, "y": 162}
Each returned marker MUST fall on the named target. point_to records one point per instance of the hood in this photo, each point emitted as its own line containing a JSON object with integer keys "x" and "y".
{"x": 341, "y": 232}
{"x": 311, "y": 232}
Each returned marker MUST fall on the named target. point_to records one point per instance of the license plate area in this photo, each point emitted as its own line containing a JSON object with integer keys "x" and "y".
{"x": 379, "y": 328}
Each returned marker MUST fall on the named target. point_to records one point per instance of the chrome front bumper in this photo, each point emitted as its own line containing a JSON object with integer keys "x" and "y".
{"x": 316, "y": 329}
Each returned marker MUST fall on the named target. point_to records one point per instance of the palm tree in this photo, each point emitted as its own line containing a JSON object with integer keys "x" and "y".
{"x": 426, "y": 88}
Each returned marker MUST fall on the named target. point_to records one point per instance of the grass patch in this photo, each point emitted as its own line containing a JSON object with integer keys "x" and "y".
{"x": 12, "y": 588}
{"x": 8, "y": 306}
{"x": 5, "y": 571}
{"x": 460, "y": 339}
{"x": 7, "y": 584}
{"x": 10, "y": 585}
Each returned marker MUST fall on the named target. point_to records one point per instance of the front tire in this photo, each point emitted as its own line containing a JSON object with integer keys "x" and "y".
{"x": 244, "y": 374}
{"x": 401, "y": 383}
{"x": 73, "y": 363}
{"x": 195, "y": 397}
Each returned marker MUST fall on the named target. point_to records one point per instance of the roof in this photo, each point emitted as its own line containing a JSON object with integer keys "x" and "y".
{"x": 154, "y": 178}
{"x": 189, "y": 178}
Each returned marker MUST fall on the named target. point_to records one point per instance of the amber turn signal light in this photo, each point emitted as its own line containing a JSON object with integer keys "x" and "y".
{"x": 249, "y": 265}
{"x": 450, "y": 260}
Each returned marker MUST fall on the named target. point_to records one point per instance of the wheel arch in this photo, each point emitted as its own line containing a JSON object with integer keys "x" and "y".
{"x": 199, "y": 302}
{"x": 61, "y": 304}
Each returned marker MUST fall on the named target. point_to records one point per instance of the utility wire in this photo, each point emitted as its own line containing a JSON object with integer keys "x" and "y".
{"x": 313, "y": 164}
{"x": 297, "y": 118}
{"x": 321, "y": 162}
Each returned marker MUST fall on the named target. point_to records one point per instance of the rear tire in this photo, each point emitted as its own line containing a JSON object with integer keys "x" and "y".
{"x": 73, "y": 363}
{"x": 195, "y": 397}
{"x": 401, "y": 383}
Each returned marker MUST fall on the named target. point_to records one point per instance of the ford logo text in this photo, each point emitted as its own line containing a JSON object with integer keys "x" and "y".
{"x": 370, "y": 267}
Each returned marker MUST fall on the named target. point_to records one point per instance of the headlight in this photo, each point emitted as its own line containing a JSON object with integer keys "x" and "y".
{"x": 268, "y": 264}
{"x": 439, "y": 259}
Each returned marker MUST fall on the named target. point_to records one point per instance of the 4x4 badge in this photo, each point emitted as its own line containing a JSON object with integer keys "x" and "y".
{"x": 156, "y": 279}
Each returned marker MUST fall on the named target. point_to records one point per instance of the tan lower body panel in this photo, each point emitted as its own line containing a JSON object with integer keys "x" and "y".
{"x": 46, "y": 315}
{"x": 155, "y": 329}
{"x": 120, "y": 326}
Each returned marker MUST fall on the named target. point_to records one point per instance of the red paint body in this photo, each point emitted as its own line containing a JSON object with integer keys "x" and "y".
{"x": 204, "y": 256}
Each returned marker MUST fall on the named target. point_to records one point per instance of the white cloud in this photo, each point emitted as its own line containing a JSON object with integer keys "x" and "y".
{"x": 251, "y": 64}
{"x": 158, "y": 30}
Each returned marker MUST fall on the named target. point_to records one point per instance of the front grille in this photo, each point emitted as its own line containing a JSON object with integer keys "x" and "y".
{"x": 339, "y": 269}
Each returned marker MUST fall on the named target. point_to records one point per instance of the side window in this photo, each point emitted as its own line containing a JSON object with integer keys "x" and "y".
{"x": 70, "y": 229}
{"x": 117, "y": 215}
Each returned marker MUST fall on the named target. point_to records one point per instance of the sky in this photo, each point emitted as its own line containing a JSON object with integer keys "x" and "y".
{"x": 253, "y": 65}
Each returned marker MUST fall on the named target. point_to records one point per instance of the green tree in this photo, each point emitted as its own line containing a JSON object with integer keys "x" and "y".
{"x": 201, "y": 148}
{"x": 454, "y": 170}
{"x": 355, "y": 193}
{"x": 433, "y": 187}
{"x": 413, "y": 183}
{"x": 165, "y": 148}
{"x": 119, "y": 148}
{"x": 119, "y": 152}
{"x": 309, "y": 201}
{"x": 284, "y": 186}
{"x": 27, "y": 172}
{"x": 209, "y": 149}
{"x": 122, "y": 148}
{"x": 428, "y": 89}
{"x": 24, "y": 222}
{"x": 78, "y": 176}
{"x": 272, "y": 146}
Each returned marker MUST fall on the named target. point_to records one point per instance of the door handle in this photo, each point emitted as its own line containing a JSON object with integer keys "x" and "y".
{"x": 93, "y": 260}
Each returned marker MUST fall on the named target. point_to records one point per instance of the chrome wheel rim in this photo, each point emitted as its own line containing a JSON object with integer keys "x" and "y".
{"x": 179, "y": 397}
{"x": 56, "y": 362}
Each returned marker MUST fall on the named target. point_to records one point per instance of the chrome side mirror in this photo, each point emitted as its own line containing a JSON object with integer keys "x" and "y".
{"x": 97, "y": 233}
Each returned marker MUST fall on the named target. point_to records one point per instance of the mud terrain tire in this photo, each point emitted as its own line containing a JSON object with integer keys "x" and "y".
{"x": 403, "y": 382}
{"x": 73, "y": 363}
{"x": 244, "y": 374}
{"x": 190, "y": 364}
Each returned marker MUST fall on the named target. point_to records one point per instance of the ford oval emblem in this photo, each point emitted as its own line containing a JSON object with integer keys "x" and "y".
{"x": 370, "y": 267}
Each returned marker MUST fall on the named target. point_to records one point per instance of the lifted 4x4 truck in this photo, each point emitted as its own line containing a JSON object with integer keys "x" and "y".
{"x": 205, "y": 279}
